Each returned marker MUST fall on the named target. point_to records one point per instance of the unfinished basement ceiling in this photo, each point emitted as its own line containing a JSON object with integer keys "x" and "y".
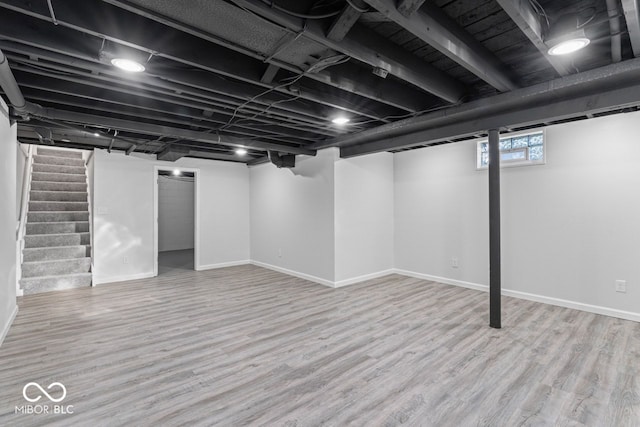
{"x": 272, "y": 75}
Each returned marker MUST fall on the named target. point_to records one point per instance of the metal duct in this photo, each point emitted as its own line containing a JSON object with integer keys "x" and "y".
{"x": 598, "y": 82}
{"x": 173, "y": 153}
{"x": 284, "y": 161}
{"x": 9, "y": 84}
{"x": 12, "y": 90}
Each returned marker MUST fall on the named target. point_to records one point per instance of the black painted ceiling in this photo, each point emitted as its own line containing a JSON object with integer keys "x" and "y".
{"x": 234, "y": 75}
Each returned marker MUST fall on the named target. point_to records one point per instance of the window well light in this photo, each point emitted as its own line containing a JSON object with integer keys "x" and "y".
{"x": 176, "y": 172}
{"x": 340, "y": 120}
{"x": 241, "y": 151}
{"x": 127, "y": 65}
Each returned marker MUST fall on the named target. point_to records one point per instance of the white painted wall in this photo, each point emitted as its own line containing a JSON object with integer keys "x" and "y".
{"x": 175, "y": 213}
{"x": 292, "y": 216}
{"x": 90, "y": 162}
{"x": 363, "y": 217}
{"x": 8, "y": 221}
{"x": 123, "y": 219}
{"x": 22, "y": 154}
{"x": 441, "y": 211}
{"x": 569, "y": 228}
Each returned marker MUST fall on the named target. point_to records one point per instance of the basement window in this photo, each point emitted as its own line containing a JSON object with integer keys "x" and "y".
{"x": 515, "y": 150}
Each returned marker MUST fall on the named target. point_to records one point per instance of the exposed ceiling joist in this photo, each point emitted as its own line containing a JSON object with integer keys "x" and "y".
{"x": 101, "y": 91}
{"x": 258, "y": 161}
{"x": 611, "y": 87}
{"x": 559, "y": 110}
{"x": 521, "y": 12}
{"x": 167, "y": 131}
{"x": 269, "y": 73}
{"x": 632, "y": 16}
{"x": 367, "y": 46}
{"x": 219, "y": 91}
{"x": 82, "y": 139}
{"x": 213, "y": 156}
{"x": 153, "y": 112}
{"x": 394, "y": 92}
{"x": 434, "y": 27}
{"x": 343, "y": 22}
{"x": 28, "y": 131}
{"x": 408, "y": 7}
{"x": 184, "y": 49}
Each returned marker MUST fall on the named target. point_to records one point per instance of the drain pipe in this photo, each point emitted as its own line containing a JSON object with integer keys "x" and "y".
{"x": 13, "y": 92}
{"x": 614, "y": 28}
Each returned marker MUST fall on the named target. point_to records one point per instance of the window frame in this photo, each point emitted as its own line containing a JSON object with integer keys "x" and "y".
{"x": 514, "y": 163}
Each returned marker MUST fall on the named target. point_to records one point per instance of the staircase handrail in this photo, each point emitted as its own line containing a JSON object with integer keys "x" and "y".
{"x": 22, "y": 223}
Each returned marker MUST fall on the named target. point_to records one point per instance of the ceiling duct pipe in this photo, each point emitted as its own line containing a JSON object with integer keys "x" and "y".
{"x": 12, "y": 90}
{"x": 45, "y": 136}
{"x": 614, "y": 28}
{"x": 282, "y": 161}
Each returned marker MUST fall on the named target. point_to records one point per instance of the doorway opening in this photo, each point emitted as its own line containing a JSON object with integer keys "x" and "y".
{"x": 176, "y": 220}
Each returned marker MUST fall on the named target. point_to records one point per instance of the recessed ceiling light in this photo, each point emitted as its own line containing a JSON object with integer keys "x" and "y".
{"x": 127, "y": 65}
{"x": 177, "y": 172}
{"x": 569, "y": 46}
{"x": 241, "y": 151}
{"x": 340, "y": 120}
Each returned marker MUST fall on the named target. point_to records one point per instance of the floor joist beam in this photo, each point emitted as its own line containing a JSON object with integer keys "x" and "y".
{"x": 167, "y": 131}
{"x": 367, "y": 46}
{"x": 632, "y": 16}
{"x": 434, "y": 27}
{"x": 521, "y": 12}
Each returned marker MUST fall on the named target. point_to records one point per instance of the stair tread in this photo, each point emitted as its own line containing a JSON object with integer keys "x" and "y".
{"x": 59, "y": 212}
{"x": 59, "y": 166}
{"x": 56, "y": 234}
{"x": 61, "y": 222}
{"x": 62, "y": 172}
{"x": 51, "y": 261}
{"x": 57, "y": 157}
{"x": 56, "y": 247}
{"x": 56, "y": 191}
{"x": 56, "y": 275}
{"x": 59, "y": 182}
{"x": 57, "y": 201}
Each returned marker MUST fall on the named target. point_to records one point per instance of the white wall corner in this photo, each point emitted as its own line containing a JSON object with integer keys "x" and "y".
{"x": 443, "y": 280}
{"x": 363, "y": 278}
{"x": 297, "y": 274}
{"x": 5, "y": 331}
{"x": 223, "y": 265}
{"x": 124, "y": 278}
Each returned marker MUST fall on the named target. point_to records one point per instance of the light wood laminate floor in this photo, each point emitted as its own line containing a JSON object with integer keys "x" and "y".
{"x": 248, "y": 346}
{"x": 174, "y": 262}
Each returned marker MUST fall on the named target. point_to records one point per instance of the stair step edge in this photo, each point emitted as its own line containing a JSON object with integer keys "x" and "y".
{"x": 56, "y": 247}
{"x": 53, "y": 276}
{"x": 51, "y": 261}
